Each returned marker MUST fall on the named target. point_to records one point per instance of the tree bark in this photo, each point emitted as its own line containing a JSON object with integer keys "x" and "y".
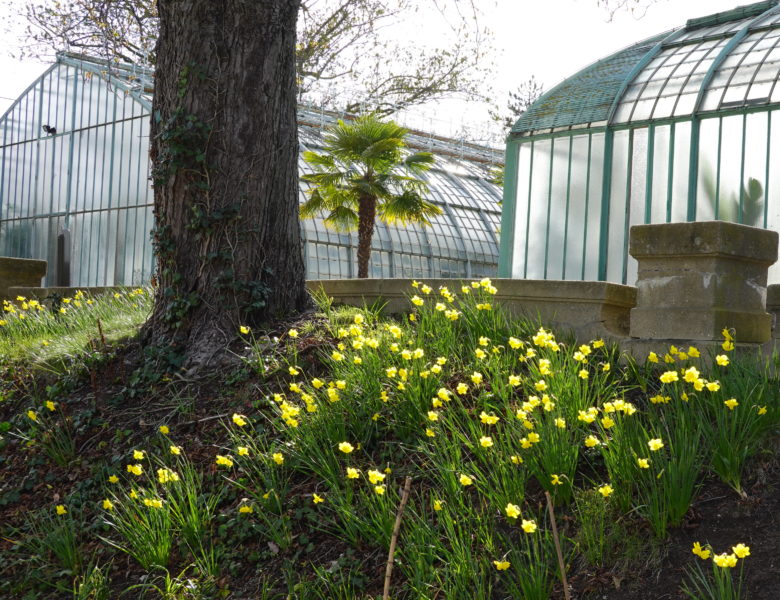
{"x": 366, "y": 218}
{"x": 224, "y": 147}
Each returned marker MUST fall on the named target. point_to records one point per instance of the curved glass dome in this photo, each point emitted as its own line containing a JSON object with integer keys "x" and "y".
{"x": 75, "y": 190}
{"x": 680, "y": 127}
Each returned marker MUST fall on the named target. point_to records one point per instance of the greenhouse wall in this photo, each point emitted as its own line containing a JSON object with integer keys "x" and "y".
{"x": 682, "y": 127}
{"x": 75, "y": 166}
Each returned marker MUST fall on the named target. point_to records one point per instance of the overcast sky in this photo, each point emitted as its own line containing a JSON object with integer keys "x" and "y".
{"x": 550, "y": 39}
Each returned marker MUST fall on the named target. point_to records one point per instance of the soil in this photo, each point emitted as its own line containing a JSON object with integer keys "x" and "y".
{"x": 720, "y": 516}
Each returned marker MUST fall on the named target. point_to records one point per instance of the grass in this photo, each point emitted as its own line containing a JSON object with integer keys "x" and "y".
{"x": 297, "y": 484}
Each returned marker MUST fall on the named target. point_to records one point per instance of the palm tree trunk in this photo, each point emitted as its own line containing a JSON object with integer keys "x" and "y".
{"x": 366, "y": 217}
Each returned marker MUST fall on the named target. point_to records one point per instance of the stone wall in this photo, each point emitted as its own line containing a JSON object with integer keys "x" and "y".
{"x": 694, "y": 280}
{"x": 591, "y": 309}
{"x": 19, "y": 272}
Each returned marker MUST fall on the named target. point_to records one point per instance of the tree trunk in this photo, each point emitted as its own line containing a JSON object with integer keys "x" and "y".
{"x": 224, "y": 147}
{"x": 366, "y": 217}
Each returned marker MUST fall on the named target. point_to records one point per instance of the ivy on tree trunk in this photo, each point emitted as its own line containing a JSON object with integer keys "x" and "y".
{"x": 224, "y": 147}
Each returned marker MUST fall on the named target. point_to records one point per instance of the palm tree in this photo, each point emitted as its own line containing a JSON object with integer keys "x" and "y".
{"x": 365, "y": 172}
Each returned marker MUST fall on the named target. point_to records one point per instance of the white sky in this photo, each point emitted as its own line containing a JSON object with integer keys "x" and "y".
{"x": 550, "y": 39}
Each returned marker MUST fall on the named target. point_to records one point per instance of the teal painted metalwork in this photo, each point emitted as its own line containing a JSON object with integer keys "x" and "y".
{"x": 768, "y": 162}
{"x": 528, "y": 212}
{"x": 693, "y": 168}
{"x": 649, "y": 174}
{"x": 549, "y": 205}
{"x": 88, "y": 170}
{"x": 606, "y": 193}
{"x": 566, "y": 217}
{"x": 587, "y": 206}
{"x": 755, "y": 13}
{"x": 670, "y": 171}
{"x": 643, "y": 62}
{"x": 627, "y": 219}
{"x": 741, "y": 217}
{"x": 506, "y": 252}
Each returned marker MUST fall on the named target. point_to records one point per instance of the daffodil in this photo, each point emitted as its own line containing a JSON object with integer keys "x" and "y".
{"x": 488, "y": 419}
{"x": 135, "y": 469}
{"x": 239, "y": 420}
{"x": 465, "y": 480}
{"x": 702, "y": 553}
{"x": 224, "y": 461}
{"x": 512, "y": 510}
{"x": 278, "y": 458}
{"x": 591, "y": 441}
{"x": 725, "y": 561}
{"x": 61, "y": 510}
{"x": 245, "y": 509}
{"x": 502, "y": 565}
{"x": 346, "y": 447}
{"x": 108, "y": 505}
{"x": 486, "y": 441}
{"x": 655, "y": 444}
{"x": 317, "y": 499}
{"x": 529, "y": 526}
{"x": 606, "y": 490}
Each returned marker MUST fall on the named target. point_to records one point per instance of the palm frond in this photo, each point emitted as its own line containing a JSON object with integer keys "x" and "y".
{"x": 419, "y": 161}
{"x": 320, "y": 161}
{"x": 342, "y": 218}
{"x": 313, "y": 206}
{"x": 407, "y": 207}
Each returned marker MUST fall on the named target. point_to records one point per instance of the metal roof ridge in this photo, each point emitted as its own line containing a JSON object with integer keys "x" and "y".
{"x": 735, "y": 14}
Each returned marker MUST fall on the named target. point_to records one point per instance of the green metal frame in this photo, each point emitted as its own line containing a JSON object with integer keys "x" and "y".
{"x": 506, "y": 247}
{"x": 693, "y": 167}
{"x": 754, "y": 14}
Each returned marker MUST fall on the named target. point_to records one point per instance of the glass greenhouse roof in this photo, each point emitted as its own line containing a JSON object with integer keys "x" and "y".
{"x": 75, "y": 158}
{"x": 729, "y": 60}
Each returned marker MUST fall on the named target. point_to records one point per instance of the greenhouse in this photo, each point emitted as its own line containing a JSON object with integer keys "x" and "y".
{"x": 683, "y": 126}
{"x": 75, "y": 190}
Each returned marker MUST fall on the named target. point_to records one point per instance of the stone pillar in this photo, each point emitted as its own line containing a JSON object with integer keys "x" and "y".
{"x": 697, "y": 278}
{"x": 19, "y": 272}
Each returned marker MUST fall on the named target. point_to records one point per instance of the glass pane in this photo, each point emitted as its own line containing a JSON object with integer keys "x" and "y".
{"x": 556, "y": 217}
{"x": 638, "y": 193}
{"x": 682, "y": 159}
{"x": 660, "y": 175}
{"x": 754, "y": 181}
{"x": 521, "y": 210}
{"x": 537, "y": 222}
{"x": 618, "y": 208}
{"x": 730, "y": 166}
{"x": 593, "y": 215}
{"x": 575, "y": 227}
{"x": 773, "y": 191}
{"x": 708, "y": 164}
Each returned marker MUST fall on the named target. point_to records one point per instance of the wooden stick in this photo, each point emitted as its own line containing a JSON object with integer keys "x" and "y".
{"x": 558, "y": 547}
{"x": 394, "y": 538}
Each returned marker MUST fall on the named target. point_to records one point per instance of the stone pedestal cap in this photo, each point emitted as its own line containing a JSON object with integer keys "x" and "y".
{"x": 705, "y": 238}
{"x": 694, "y": 279}
{"x": 20, "y": 271}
